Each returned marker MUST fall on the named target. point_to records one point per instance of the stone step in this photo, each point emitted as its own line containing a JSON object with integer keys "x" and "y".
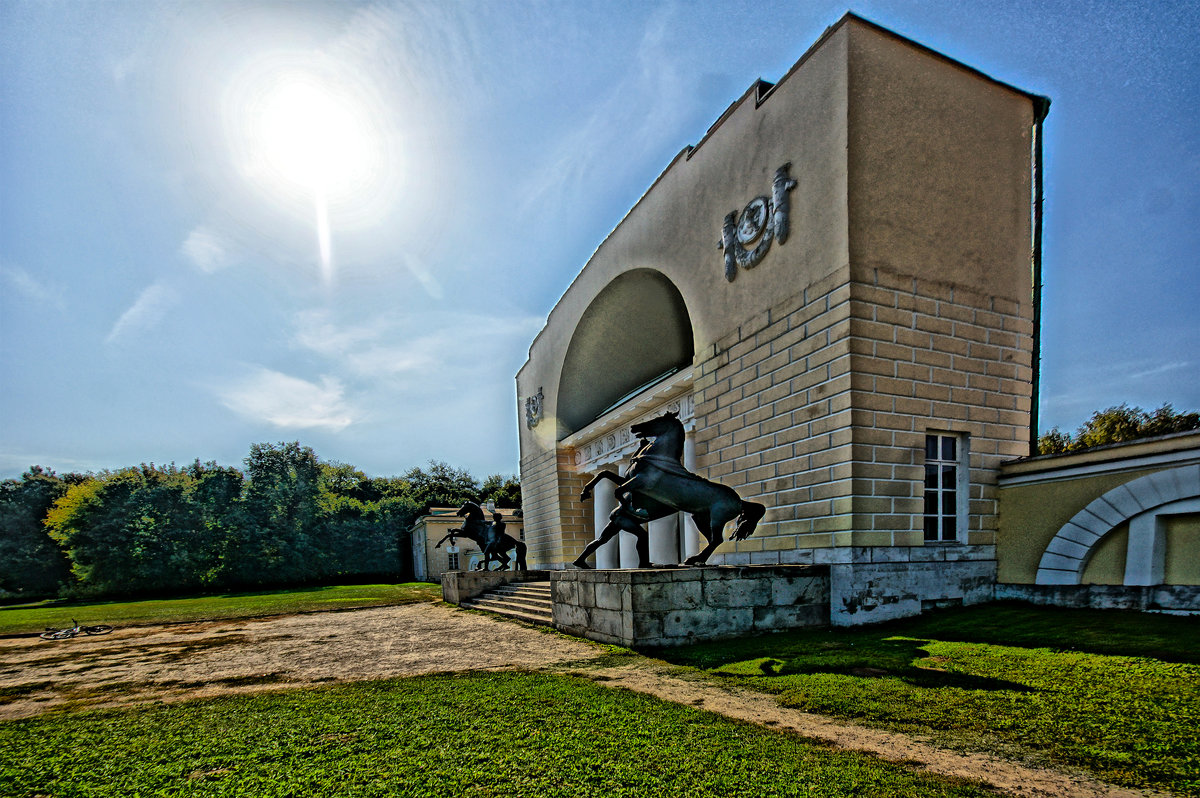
{"x": 523, "y": 590}
{"x": 525, "y": 601}
{"x": 517, "y": 602}
{"x": 545, "y": 618}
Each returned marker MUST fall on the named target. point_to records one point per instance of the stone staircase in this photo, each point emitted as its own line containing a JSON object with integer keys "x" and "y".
{"x": 525, "y": 601}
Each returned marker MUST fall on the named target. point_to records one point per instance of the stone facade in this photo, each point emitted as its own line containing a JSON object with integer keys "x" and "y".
{"x": 889, "y": 312}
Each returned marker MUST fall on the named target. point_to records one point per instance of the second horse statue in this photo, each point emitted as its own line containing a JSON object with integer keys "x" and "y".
{"x": 489, "y": 536}
{"x": 656, "y": 485}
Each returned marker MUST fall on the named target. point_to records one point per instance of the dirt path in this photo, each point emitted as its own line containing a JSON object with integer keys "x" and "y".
{"x": 186, "y": 661}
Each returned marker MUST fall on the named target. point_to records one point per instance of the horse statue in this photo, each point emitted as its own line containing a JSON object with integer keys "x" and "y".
{"x": 490, "y": 537}
{"x": 656, "y": 485}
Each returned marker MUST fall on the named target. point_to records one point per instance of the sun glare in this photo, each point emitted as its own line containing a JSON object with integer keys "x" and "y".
{"x": 312, "y": 136}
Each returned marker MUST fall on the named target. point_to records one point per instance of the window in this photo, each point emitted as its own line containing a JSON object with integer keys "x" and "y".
{"x": 451, "y": 562}
{"x": 945, "y": 488}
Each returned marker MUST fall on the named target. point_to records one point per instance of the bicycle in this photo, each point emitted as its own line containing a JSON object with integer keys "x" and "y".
{"x": 76, "y": 629}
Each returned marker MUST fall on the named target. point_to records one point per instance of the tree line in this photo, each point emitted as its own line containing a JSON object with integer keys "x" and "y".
{"x": 286, "y": 518}
{"x": 1118, "y": 425}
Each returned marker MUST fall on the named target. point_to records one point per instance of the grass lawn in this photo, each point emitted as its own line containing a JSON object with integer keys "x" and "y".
{"x": 1114, "y": 692}
{"x": 496, "y": 734}
{"x": 35, "y": 618}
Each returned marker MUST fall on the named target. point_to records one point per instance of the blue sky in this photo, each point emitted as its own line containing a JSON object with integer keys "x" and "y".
{"x": 167, "y": 293}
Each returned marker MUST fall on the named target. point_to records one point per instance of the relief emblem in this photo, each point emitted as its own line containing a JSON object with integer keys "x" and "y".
{"x": 533, "y": 409}
{"x": 746, "y": 238}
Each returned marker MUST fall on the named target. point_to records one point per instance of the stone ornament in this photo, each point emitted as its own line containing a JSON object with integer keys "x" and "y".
{"x": 747, "y": 238}
{"x": 533, "y": 409}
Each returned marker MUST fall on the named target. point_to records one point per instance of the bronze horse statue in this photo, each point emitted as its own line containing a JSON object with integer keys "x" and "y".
{"x": 657, "y": 485}
{"x": 490, "y": 537}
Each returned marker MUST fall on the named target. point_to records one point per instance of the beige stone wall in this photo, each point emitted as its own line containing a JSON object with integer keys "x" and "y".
{"x": 819, "y": 407}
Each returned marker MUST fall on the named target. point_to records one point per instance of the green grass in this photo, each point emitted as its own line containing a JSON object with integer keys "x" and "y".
{"x": 27, "y": 619}
{"x": 507, "y": 734}
{"x": 1116, "y": 693}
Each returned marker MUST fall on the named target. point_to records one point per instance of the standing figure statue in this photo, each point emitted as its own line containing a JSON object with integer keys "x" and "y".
{"x": 490, "y": 537}
{"x": 656, "y": 485}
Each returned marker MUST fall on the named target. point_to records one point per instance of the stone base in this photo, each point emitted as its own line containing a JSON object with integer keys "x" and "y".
{"x": 678, "y": 606}
{"x": 458, "y": 586}
{"x": 1161, "y": 598}
{"x": 872, "y": 592}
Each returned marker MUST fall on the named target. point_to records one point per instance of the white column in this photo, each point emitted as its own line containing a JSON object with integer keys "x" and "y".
{"x": 629, "y": 555}
{"x": 690, "y": 533}
{"x": 1145, "y": 556}
{"x": 664, "y": 540}
{"x": 604, "y": 501}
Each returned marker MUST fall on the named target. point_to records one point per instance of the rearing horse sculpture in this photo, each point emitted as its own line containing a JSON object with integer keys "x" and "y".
{"x": 490, "y": 537}
{"x": 657, "y": 485}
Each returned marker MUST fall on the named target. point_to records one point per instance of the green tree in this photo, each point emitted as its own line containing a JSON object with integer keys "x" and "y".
{"x": 31, "y": 563}
{"x": 502, "y": 491}
{"x": 275, "y": 539}
{"x": 132, "y": 531}
{"x": 440, "y": 485}
{"x": 1117, "y": 425}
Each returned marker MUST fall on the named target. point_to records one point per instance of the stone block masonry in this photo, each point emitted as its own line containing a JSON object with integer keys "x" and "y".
{"x": 677, "y": 606}
{"x": 819, "y": 408}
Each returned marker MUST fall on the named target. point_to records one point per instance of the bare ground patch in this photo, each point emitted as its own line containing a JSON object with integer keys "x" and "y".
{"x": 183, "y": 661}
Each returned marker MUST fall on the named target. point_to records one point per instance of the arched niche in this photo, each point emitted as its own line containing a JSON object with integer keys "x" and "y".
{"x": 635, "y": 331}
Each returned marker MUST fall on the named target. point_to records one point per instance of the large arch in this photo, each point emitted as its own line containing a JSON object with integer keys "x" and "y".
{"x": 1067, "y": 554}
{"x": 634, "y": 332}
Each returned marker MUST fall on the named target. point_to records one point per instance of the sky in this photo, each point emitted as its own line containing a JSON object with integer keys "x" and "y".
{"x": 226, "y": 223}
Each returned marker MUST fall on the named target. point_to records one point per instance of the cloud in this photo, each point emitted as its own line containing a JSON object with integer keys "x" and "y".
{"x": 29, "y": 287}
{"x": 289, "y": 402}
{"x": 206, "y": 250}
{"x": 147, "y": 310}
{"x": 1162, "y": 369}
{"x": 430, "y": 345}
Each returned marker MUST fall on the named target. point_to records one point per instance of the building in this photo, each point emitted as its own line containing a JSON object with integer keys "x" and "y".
{"x": 837, "y": 289}
{"x": 430, "y": 561}
{"x": 859, "y": 358}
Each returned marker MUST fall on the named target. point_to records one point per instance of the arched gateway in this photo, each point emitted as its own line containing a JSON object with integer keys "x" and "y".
{"x": 834, "y": 289}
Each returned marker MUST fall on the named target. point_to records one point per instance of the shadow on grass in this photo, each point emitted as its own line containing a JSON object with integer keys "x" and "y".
{"x": 893, "y": 647}
{"x": 896, "y": 658}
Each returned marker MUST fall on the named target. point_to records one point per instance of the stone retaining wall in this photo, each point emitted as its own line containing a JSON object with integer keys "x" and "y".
{"x": 678, "y": 606}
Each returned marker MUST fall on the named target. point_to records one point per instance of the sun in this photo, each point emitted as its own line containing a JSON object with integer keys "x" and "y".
{"x": 313, "y": 137}
{"x": 311, "y": 134}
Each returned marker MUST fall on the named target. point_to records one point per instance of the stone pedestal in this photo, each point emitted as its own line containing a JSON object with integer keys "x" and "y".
{"x": 678, "y": 606}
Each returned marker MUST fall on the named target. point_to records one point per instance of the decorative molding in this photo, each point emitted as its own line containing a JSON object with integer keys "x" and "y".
{"x": 611, "y": 445}
{"x": 746, "y": 238}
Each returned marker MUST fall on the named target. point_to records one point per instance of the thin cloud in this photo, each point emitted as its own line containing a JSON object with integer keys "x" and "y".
{"x": 620, "y": 122}
{"x": 1162, "y": 369}
{"x": 32, "y": 289}
{"x": 148, "y": 310}
{"x": 288, "y": 402}
{"x": 430, "y": 345}
{"x": 206, "y": 250}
